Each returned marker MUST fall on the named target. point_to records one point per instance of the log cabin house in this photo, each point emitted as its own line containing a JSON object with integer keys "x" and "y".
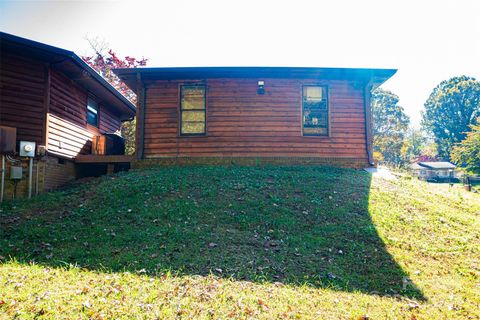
{"x": 254, "y": 115}
{"x": 51, "y": 97}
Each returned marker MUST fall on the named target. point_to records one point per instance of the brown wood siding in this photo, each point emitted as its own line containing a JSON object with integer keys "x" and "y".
{"x": 67, "y": 139}
{"x": 68, "y": 131}
{"x": 109, "y": 122}
{"x": 22, "y": 91}
{"x": 67, "y": 100}
{"x": 241, "y": 123}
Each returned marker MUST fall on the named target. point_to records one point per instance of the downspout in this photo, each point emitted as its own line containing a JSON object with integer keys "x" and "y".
{"x": 2, "y": 187}
{"x": 46, "y": 122}
{"x": 140, "y": 128}
{"x": 368, "y": 122}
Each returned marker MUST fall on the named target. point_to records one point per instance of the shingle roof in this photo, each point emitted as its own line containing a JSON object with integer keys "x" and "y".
{"x": 416, "y": 166}
{"x": 437, "y": 165}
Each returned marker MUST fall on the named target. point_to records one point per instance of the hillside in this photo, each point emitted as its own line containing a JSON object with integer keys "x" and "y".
{"x": 242, "y": 242}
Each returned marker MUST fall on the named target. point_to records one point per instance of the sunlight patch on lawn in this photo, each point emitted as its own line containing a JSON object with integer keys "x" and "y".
{"x": 28, "y": 291}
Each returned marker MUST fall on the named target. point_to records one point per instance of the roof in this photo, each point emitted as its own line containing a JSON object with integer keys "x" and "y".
{"x": 436, "y": 165}
{"x": 374, "y": 76}
{"x": 416, "y": 166}
{"x": 73, "y": 66}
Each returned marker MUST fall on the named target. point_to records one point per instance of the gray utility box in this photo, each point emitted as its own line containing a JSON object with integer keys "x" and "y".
{"x": 16, "y": 173}
{"x": 27, "y": 149}
{"x": 8, "y": 139}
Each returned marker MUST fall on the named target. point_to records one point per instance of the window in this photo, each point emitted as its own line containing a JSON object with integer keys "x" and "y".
{"x": 92, "y": 112}
{"x": 192, "y": 110}
{"x": 315, "y": 111}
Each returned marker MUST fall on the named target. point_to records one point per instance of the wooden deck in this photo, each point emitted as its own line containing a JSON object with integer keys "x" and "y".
{"x": 92, "y": 158}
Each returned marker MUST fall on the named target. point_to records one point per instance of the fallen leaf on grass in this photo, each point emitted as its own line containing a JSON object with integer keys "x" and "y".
{"x": 263, "y": 305}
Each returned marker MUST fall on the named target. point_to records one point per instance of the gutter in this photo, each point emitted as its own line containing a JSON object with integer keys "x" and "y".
{"x": 102, "y": 81}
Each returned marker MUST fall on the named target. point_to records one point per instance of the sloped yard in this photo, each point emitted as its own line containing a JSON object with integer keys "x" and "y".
{"x": 242, "y": 242}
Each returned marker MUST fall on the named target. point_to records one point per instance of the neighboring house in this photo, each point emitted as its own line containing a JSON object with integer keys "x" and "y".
{"x": 433, "y": 170}
{"x": 253, "y": 115}
{"x": 53, "y": 98}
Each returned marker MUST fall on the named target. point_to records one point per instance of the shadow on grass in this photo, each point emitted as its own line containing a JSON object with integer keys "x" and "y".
{"x": 295, "y": 225}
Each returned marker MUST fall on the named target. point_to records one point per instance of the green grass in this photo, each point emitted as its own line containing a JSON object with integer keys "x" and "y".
{"x": 242, "y": 242}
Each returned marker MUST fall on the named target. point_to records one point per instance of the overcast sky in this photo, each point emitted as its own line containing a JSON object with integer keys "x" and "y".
{"x": 428, "y": 41}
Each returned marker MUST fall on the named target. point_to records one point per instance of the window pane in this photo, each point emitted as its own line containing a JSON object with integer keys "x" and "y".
{"x": 193, "y": 116}
{"x": 315, "y": 111}
{"x": 313, "y": 93}
{"x": 92, "y": 118}
{"x": 92, "y": 112}
{"x": 193, "y": 97}
{"x": 193, "y": 127}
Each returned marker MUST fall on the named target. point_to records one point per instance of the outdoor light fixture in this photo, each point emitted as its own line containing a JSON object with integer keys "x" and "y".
{"x": 261, "y": 87}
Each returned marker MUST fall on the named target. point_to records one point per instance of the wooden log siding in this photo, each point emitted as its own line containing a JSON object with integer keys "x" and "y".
{"x": 67, "y": 100}
{"x": 108, "y": 121}
{"x": 68, "y": 133}
{"x": 22, "y": 87}
{"x": 66, "y": 139}
{"x": 241, "y": 123}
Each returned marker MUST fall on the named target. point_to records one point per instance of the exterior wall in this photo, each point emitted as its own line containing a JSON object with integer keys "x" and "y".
{"x": 67, "y": 130}
{"x": 48, "y": 173}
{"x": 248, "y": 161}
{"x": 425, "y": 174}
{"x": 57, "y": 172}
{"x": 24, "y": 101}
{"x": 22, "y": 96}
{"x": 244, "y": 124}
{"x": 22, "y": 185}
{"x": 108, "y": 122}
{"x": 67, "y": 100}
{"x": 49, "y": 108}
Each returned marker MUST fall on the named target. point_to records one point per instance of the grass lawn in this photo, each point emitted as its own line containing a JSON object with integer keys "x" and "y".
{"x": 242, "y": 242}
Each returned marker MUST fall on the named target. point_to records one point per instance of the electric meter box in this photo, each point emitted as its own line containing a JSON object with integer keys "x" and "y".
{"x": 27, "y": 149}
{"x": 8, "y": 139}
{"x": 16, "y": 173}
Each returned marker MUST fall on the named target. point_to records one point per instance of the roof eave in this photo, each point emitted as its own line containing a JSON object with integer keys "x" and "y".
{"x": 104, "y": 83}
{"x": 55, "y": 51}
{"x": 375, "y": 77}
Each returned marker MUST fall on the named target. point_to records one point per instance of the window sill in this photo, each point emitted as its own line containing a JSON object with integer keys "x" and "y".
{"x": 194, "y": 135}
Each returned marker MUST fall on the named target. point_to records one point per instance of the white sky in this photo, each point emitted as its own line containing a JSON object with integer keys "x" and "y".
{"x": 427, "y": 40}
